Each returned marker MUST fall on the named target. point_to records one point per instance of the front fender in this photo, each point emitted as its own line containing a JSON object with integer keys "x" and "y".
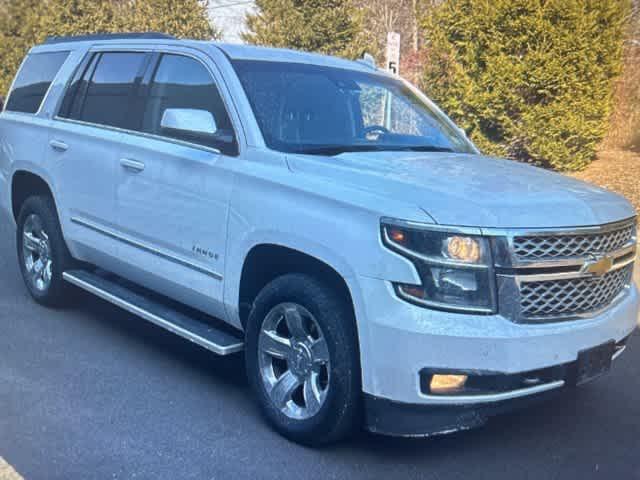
{"x": 345, "y": 237}
{"x": 238, "y": 252}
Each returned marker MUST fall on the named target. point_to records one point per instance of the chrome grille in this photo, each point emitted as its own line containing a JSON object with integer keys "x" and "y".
{"x": 557, "y": 275}
{"x": 574, "y": 296}
{"x": 548, "y": 247}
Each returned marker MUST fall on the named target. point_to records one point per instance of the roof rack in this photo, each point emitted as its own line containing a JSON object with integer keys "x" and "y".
{"x": 109, "y": 36}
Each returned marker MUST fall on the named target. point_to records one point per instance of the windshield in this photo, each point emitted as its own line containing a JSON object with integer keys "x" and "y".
{"x": 327, "y": 111}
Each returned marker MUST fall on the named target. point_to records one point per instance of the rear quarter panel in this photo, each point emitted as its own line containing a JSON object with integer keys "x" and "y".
{"x": 22, "y": 142}
{"x": 24, "y": 137}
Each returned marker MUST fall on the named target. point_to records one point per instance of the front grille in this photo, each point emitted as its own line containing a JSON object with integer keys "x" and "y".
{"x": 549, "y": 247}
{"x": 575, "y": 296}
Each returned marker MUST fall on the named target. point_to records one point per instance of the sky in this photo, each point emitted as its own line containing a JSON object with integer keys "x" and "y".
{"x": 228, "y": 15}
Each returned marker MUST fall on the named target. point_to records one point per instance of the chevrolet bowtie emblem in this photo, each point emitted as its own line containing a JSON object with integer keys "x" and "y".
{"x": 598, "y": 267}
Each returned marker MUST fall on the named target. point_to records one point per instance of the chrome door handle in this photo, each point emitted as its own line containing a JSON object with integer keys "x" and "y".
{"x": 58, "y": 145}
{"x": 133, "y": 165}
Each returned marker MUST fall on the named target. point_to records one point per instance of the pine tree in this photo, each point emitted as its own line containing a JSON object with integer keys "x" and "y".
{"x": 18, "y": 29}
{"x": 530, "y": 79}
{"x": 24, "y": 23}
{"x": 327, "y": 26}
{"x": 181, "y": 18}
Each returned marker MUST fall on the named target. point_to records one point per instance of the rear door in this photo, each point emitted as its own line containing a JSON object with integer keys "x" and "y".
{"x": 85, "y": 138}
{"x": 173, "y": 187}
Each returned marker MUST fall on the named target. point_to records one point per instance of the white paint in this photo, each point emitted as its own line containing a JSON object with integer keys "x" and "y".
{"x": 327, "y": 207}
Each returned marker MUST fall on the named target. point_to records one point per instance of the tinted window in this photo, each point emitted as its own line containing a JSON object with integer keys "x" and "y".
{"x": 72, "y": 101}
{"x": 327, "y": 111}
{"x": 33, "y": 81}
{"x": 182, "y": 82}
{"x": 110, "y": 91}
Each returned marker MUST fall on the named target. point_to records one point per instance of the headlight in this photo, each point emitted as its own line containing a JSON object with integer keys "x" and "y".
{"x": 455, "y": 268}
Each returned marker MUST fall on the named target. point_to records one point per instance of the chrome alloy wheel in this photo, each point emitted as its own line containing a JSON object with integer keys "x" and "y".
{"x": 36, "y": 253}
{"x": 294, "y": 361}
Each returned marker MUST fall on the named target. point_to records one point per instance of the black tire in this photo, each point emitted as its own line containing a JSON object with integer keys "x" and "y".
{"x": 339, "y": 415}
{"x": 58, "y": 292}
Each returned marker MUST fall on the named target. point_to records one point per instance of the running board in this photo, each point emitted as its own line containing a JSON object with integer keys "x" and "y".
{"x": 215, "y": 339}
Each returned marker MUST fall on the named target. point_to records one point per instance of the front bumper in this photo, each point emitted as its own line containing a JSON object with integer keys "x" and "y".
{"x": 462, "y": 412}
{"x": 399, "y": 340}
{"x": 387, "y": 417}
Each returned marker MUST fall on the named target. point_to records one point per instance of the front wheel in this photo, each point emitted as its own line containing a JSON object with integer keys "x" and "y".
{"x": 302, "y": 360}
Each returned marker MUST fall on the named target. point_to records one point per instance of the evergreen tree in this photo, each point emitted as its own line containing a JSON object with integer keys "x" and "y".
{"x": 327, "y": 26}
{"x": 24, "y": 23}
{"x": 530, "y": 79}
{"x": 181, "y": 18}
{"x": 18, "y": 28}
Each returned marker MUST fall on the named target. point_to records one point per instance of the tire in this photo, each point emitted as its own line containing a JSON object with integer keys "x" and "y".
{"x": 338, "y": 389}
{"x": 39, "y": 237}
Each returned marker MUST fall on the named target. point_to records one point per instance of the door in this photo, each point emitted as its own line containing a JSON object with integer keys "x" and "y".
{"x": 173, "y": 184}
{"x": 84, "y": 142}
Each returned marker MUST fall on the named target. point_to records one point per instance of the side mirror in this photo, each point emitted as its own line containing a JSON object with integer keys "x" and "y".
{"x": 189, "y": 121}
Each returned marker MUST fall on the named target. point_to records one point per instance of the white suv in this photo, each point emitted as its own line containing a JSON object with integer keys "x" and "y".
{"x": 323, "y": 216}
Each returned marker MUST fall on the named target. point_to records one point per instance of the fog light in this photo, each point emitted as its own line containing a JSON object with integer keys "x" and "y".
{"x": 447, "y": 383}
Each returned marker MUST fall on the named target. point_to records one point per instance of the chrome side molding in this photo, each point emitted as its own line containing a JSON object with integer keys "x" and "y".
{"x": 143, "y": 246}
{"x": 493, "y": 397}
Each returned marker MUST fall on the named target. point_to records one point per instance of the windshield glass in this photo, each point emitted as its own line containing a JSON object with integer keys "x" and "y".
{"x": 327, "y": 111}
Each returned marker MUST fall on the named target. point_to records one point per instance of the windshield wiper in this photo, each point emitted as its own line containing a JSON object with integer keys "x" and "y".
{"x": 332, "y": 150}
{"x": 336, "y": 149}
{"x": 426, "y": 148}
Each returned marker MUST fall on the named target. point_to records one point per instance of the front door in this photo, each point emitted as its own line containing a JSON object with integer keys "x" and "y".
{"x": 173, "y": 186}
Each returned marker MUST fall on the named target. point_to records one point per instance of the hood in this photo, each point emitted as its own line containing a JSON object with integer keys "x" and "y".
{"x": 471, "y": 190}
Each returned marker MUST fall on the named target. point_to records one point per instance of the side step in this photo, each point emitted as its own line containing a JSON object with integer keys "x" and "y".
{"x": 194, "y": 328}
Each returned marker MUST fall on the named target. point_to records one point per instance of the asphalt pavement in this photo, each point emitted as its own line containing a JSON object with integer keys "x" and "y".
{"x": 92, "y": 392}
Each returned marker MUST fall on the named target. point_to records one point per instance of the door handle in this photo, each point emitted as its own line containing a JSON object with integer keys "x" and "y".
{"x": 133, "y": 165}
{"x": 58, "y": 145}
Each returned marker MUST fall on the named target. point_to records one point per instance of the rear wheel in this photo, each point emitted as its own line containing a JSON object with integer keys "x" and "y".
{"x": 42, "y": 252}
{"x": 302, "y": 360}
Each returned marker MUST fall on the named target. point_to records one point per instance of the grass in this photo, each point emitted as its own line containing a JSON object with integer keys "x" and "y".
{"x": 618, "y": 171}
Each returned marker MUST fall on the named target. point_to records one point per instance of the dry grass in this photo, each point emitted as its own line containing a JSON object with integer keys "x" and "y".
{"x": 616, "y": 170}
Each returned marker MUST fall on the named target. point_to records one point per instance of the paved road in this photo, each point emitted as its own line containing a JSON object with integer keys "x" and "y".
{"x": 93, "y": 393}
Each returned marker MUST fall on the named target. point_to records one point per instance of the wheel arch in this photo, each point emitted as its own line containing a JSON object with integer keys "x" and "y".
{"x": 25, "y": 183}
{"x": 267, "y": 261}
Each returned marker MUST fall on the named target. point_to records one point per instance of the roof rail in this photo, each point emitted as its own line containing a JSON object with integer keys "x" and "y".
{"x": 109, "y": 36}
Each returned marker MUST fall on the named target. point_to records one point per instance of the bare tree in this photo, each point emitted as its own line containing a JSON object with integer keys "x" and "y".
{"x": 383, "y": 16}
{"x": 402, "y": 16}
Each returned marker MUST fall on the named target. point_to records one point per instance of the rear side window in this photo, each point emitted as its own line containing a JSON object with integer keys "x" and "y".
{"x": 110, "y": 87}
{"x": 33, "y": 81}
{"x": 184, "y": 83}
